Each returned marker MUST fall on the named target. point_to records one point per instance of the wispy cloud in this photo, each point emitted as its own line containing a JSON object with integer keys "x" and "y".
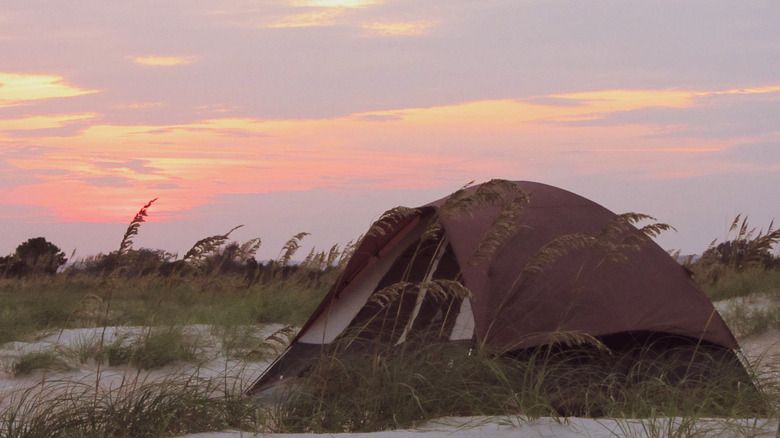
{"x": 334, "y": 3}
{"x": 713, "y": 114}
{"x": 617, "y": 100}
{"x": 166, "y": 186}
{"x": 404, "y": 28}
{"x": 319, "y": 13}
{"x": 17, "y": 88}
{"x": 680, "y": 150}
{"x": 309, "y": 19}
{"x": 754, "y": 90}
{"x": 107, "y": 181}
{"x": 379, "y": 117}
{"x": 163, "y": 61}
{"x": 140, "y": 166}
{"x": 620, "y": 100}
{"x": 42, "y": 122}
{"x": 139, "y": 106}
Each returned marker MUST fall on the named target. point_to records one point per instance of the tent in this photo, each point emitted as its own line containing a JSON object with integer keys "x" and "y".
{"x": 508, "y": 266}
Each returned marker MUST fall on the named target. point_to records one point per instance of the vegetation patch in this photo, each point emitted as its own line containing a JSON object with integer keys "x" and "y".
{"x": 741, "y": 265}
{"x": 752, "y": 314}
{"x": 50, "y": 360}
{"x": 219, "y": 283}
{"x": 154, "y": 349}
{"x": 369, "y": 392}
{"x": 734, "y": 283}
{"x": 165, "y": 408}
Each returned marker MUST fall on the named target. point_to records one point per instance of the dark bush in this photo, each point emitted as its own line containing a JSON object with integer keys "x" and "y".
{"x": 36, "y": 256}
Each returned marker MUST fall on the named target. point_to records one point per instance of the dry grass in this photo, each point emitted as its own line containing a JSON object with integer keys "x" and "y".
{"x": 359, "y": 393}
{"x": 163, "y": 408}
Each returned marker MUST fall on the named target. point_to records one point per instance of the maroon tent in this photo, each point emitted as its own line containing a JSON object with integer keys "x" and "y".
{"x": 506, "y": 266}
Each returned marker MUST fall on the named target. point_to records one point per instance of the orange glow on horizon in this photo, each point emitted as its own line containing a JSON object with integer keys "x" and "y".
{"x": 105, "y": 170}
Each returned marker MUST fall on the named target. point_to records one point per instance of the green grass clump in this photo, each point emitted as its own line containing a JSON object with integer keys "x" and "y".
{"x": 34, "y": 305}
{"x": 39, "y": 360}
{"x": 358, "y": 394}
{"x": 155, "y": 349}
{"x": 170, "y": 407}
{"x": 733, "y": 283}
{"x": 87, "y": 349}
{"x": 355, "y": 392}
{"x": 753, "y": 315}
{"x": 248, "y": 342}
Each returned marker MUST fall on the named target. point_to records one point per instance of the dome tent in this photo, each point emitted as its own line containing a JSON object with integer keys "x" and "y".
{"x": 506, "y": 267}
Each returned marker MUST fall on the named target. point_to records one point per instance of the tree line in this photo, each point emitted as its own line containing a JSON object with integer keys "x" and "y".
{"x": 747, "y": 248}
{"x": 37, "y": 257}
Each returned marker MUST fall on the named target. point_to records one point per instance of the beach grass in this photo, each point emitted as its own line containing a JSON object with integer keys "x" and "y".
{"x": 37, "y": 305}
{"x": 162, "y": 408}
{"x": 362, "y": 393}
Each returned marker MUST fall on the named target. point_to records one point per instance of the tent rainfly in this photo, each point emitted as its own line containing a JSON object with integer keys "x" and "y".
{"x": 507, "y": 266}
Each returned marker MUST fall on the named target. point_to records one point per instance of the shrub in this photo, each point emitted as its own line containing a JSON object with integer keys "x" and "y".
{"x": 746, "y": 250}
{"x": 36, "y": 256}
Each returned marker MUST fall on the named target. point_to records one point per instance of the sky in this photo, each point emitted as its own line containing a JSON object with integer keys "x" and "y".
{"x": 318, "y": 115}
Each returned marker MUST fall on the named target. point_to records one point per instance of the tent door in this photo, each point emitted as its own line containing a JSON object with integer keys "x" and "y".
{"x": 423, "y": 291}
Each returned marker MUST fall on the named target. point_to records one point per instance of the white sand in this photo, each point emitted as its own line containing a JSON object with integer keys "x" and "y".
{"x": 241, "y": 373}
{"x": 765, "y": 347}
{"x": 550, "y": 428}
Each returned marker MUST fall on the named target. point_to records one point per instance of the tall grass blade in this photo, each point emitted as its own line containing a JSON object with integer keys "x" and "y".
{"x": 290, "y": 248}
{"x": 132, "y": 229}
